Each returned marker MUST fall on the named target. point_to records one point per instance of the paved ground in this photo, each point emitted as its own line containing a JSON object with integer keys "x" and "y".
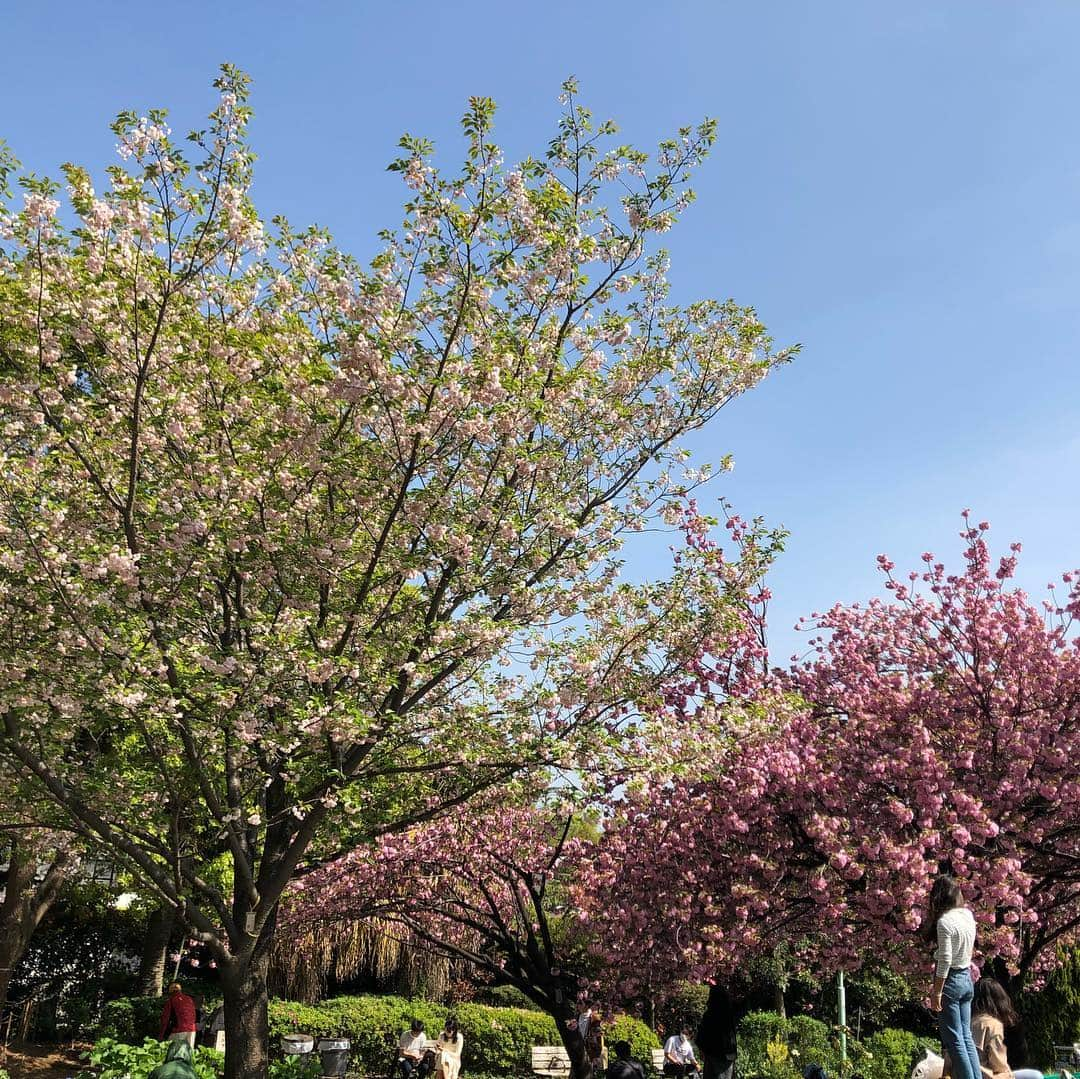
{"x": 41, "y": 1062}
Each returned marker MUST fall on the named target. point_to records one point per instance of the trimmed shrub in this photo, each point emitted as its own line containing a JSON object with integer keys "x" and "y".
{"x": 641, "y": 1037}
{"x": 506, "y": 996}
{"x": 497, "y": 1040}
{"x": 893, "y": 1053}
{"x": 757, "y": 1031}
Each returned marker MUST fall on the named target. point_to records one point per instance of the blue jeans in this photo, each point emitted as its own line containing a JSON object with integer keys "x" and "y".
{"x": 954, "y": 1025}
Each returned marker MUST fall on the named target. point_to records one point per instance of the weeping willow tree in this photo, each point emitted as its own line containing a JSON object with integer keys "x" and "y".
{"x": 307, "y": 960}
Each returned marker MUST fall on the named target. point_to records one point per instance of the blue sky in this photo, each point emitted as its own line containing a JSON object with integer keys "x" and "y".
{"x": 897, "y": 187}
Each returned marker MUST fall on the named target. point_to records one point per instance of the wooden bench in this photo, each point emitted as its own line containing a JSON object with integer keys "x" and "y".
{"x": 553, "y": 1060}
{"x": 550, "y": 1060}
{"x": 1067, "y": 1057}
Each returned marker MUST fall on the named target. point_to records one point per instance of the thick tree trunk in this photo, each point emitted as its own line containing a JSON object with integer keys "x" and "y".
{"x": 155, "y": 951}
{"x": 574, "y": 1043}
{"x": 25, "y": 903}
{"x": 778, "y": 1001}
{"x": 247, "y": 1025}
{"x": 10, "y": 954}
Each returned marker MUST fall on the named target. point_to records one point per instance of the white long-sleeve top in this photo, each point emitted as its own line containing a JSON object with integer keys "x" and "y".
{"x": 955, "y": 941}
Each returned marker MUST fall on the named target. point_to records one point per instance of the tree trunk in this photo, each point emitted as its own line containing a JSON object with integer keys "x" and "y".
{"x": 155, "y": 951}
{"x": 25, "y": 904}
{"x": 574, "y": 1043}
{"x": 778, "y": 1000}
{"x": 247, "y": 1025}
{"x": 10, "y": 954}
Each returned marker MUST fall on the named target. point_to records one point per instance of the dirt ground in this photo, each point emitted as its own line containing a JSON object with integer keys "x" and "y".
{"x": 26, "y": 1061}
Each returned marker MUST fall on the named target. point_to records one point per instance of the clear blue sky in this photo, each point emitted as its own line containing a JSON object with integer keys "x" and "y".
{"x": 897, "y": 187}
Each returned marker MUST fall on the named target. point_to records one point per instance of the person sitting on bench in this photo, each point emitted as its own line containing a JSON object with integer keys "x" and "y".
{"x": 679, "y": 1059}
{"x": 411, "y": 1050}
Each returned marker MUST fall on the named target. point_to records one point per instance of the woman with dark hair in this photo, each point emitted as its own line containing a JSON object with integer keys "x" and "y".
{"x": 992, "y": 1017}
{"x": 952, "y": 926}
{"x": 448, "y": 1049}
{"x": 716, "y": 1035}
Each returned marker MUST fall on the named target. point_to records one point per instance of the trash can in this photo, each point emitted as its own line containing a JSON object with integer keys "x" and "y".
{"x": 297, "y": 1045}
{"x": 334, "y": 1055}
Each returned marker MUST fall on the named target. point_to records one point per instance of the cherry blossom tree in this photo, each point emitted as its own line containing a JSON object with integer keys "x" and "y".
{"x": 492, "y": 884}
{"x": 941, "y": 728}
{"x": 297, "y": 553}
{"x": 484, "y": 886}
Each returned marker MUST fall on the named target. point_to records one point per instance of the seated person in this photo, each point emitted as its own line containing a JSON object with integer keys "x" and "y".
{"x": 449, "y": 1045}
{"x": 410, "y": 1050}
{"x": 623, "y": 1066}
{"x": 679, "y": 1059}
{"x": 992, "y": 1016}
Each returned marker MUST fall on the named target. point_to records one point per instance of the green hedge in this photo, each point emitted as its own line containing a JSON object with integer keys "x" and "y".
{"x": 497, "y": 1040}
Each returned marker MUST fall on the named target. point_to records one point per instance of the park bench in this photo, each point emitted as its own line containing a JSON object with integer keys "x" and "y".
{"x": 1067, "y": 1057}
{"x": 551, "y": 1060}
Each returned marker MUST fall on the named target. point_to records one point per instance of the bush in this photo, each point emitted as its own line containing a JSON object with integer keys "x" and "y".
{"x": 1052, "y": 1015}
{"x": 685, "y": 1005}
{"x": 642, "y": 1038}
{"x": 497, "y": 1040}
{"x": 506, "y": 996}
{"x": 757, "y": 1031}
{"x": 111, "y": 1059}
{"x": 893, "y": 1053}
{"x": 130, "y": 1019}
{"x": 771, "y": 1047}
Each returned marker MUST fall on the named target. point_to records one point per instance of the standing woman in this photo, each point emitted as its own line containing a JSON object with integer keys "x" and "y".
{"x": 449, "y": 1048}
{"x": 595, "y": 1046}
{"x": 716, "y": 1034}
{"x": 952, "y": 926}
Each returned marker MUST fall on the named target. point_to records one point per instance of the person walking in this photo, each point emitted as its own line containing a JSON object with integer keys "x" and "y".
{"x": 952, "y": 926}
{"x": 716, "y": 1034}
{"x": 992, "y": 1017}
{"x": 178, "y": 1017}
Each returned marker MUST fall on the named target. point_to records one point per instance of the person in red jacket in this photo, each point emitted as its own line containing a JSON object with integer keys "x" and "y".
{"x": 178, "y": 1017}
